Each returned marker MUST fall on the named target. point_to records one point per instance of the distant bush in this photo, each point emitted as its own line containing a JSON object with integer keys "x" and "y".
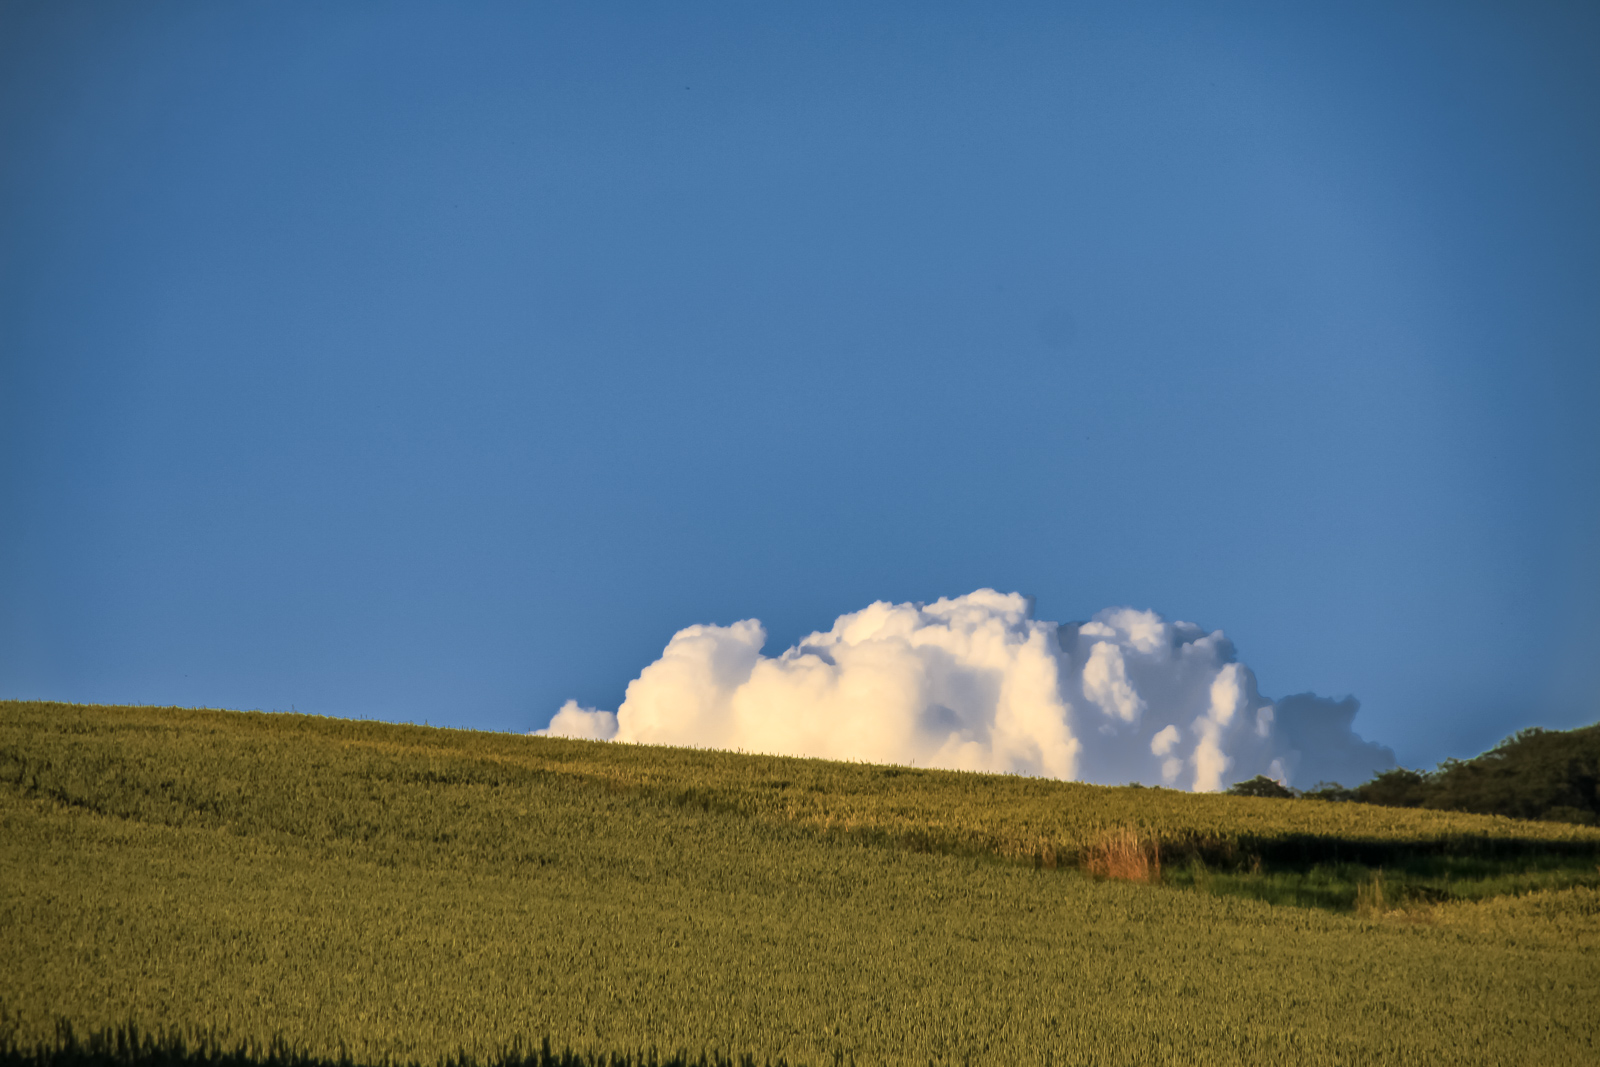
{"x": 1330, "y": 791}
{"x": 1260, "y": 786}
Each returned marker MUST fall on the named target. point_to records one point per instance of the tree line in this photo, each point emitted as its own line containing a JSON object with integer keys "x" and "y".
{"x": 1534, "y": 774}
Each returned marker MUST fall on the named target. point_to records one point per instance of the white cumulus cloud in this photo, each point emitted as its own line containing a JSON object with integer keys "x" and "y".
{"x": 976, "y": 683}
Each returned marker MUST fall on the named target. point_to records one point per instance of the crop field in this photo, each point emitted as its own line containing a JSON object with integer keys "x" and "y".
{"x": 386, "y": 893}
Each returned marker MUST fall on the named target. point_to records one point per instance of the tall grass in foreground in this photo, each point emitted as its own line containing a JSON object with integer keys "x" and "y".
{"x": 1370, "y": 897}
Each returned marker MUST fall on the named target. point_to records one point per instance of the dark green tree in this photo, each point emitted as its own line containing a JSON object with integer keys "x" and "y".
{"x": 1259, "y": 786}
{"x": 1396, "y": 788}
{"x": 1534, "y": 774}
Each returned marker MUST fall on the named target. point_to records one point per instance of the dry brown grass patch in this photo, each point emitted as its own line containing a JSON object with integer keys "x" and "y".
{"x": 1123, "y": 853}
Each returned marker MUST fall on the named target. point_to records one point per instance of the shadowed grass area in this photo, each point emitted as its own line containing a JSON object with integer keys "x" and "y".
{"x": 1421, "y": 880}
{"x": 127, "y": 1045}
{"x": 1330, "y": 872}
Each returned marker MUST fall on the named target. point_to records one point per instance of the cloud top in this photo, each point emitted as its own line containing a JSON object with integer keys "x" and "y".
{"x": 976, "y": 683}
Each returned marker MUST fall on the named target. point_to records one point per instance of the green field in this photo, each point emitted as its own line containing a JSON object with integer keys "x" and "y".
{"x": 400, "y": 893}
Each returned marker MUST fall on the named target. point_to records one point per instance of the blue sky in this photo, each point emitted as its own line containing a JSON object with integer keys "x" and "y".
{"x": 438, "y": 362}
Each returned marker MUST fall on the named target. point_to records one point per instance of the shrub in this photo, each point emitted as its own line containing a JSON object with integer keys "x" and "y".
{"x": 1260, "y": 786}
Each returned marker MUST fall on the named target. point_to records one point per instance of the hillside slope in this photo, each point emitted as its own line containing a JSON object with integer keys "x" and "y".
{"x": 404, "y": 892}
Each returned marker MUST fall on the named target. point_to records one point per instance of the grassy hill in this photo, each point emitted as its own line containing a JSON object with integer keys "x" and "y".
{"x": 404, "y": 893}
